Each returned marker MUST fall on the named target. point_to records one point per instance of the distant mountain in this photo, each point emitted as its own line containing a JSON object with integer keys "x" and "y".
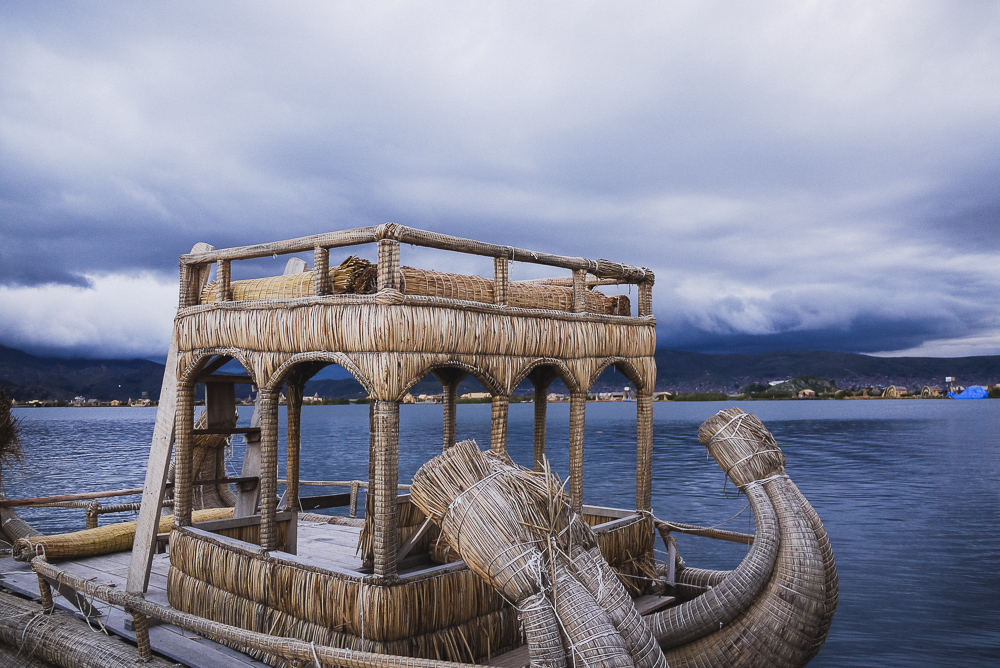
{"x": 26, "y": 377}
{"x": 697, "y": 372}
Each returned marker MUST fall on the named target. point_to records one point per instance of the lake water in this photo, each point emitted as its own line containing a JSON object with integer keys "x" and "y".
{"x": 909, "y": 492}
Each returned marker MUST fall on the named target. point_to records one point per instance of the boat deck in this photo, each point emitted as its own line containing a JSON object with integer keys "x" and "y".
{"x": 326, "y": 545}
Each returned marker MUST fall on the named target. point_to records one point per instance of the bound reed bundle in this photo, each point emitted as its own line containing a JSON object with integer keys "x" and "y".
{"x": 354, "y": 276}
{"x": 102, "y": 540}
{"x": 358, "y": 276}
{"x": 792, "y": 569}
{"x": 515, "y": 529}
{"x": 61, "y": 639}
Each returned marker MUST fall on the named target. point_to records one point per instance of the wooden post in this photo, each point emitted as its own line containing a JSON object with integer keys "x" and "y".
{"x": 644, "y": 451}
{"x": 294, "y": 394}
{"x": 321, "y": 271}
{"x": 388, "y": 264}
{"x": 268, "y": 468}
{"x": 382, "y": 488}
{"x": 501, "y": 274}
{"x": 541, "y": 378}
{"x": 498, "y": 422}
{"x": 185, "y": 447}
{"x": 579, "y": 290}
{"x": 224, "y": 283}
{"x": 450, "y": 378}
{"x": 645, "y": 306}
{"x": 577, "y": 410}
{"x": 248, "y": 494}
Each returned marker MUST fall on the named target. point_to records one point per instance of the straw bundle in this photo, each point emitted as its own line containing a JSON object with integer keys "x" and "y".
{"x": 775, "y": 608}
{"x": 515, "y": 529}
{"x": 61, "y": 639}
{"x": 358, "y": 276}
{"x": 354, "y": 276}
{"x": 102, "y": 540}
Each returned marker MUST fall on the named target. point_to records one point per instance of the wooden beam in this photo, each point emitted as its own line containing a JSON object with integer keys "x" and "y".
{"x": 236, "y": 379}
{"x": 144, "y": 546}
{"x": 227, "y": 431}
{"x": 246, "y": 498}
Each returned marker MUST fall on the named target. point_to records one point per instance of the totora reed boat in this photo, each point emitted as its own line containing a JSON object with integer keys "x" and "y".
{"x": 478, "y": 560}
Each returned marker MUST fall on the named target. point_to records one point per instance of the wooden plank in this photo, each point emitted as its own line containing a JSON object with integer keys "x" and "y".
{"x": 516, "y": 658}
{"x": 237, "y": 379}
{"x": 307, "y": 503}
{"x": 604, "y": 511}
{"x": 647, "y": 605}
{"x": 249, "y": 431}
{"x": 157, "y": 467}
{"x": 220, "y": 406}
{"x": 248, "y": 495}
{"x": 295, "y": 265}
{"x": 38, "y": 500}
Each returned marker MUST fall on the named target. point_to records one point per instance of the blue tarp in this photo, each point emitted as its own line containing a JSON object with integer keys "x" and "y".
{"x": 974, "y": 392}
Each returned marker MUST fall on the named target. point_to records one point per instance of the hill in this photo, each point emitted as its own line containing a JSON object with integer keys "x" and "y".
{"x": 25, "y": 377}
{"x": 697, "y": 372}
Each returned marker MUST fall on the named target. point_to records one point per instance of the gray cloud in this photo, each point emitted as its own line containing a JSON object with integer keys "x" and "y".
{"x": 819, "y": 176}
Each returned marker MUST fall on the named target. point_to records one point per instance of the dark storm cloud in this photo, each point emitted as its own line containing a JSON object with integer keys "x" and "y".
{"x": 797, "y": 175}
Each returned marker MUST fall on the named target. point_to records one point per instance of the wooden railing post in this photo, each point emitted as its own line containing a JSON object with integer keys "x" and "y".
{"x": 645, "y": 306}
{"x": 501, "y": 277}
{"x": 383, "y": 486}
{"x": 577, "y": 410}
{"x": 224, "y": 283}
{"x": 388, "y": 264}
{"x": 321, "y": 271}
{"x": 268, "y": 468}
{"x": 644, "y": 451}
{"x": 498, "y": 422}
{"x": 541, "y": 378}
{"x": 579, "y": 290}
{"x": 184, "y": 430}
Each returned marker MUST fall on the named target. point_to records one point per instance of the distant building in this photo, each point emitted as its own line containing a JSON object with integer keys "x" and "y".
{"x": 807, "y": 394}
{"x": 931, "y": 391}
{"x": 476, "y": 395}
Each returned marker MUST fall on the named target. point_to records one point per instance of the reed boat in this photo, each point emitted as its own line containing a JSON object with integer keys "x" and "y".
{"x": 478, "y": 559}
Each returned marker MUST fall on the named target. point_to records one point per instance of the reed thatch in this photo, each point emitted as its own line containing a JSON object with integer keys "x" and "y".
{"x": 452, "y": 616}
{"x": 102, "y": 540}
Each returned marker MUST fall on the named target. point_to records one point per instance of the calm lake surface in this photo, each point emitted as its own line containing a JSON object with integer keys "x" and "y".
{"x": 909, "y": 491}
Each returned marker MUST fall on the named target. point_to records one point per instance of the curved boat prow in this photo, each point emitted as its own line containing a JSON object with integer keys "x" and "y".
{"x": 775, "y": 608}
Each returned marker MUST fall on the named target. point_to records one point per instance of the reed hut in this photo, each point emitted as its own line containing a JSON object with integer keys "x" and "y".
{"x": 485, "y": 554}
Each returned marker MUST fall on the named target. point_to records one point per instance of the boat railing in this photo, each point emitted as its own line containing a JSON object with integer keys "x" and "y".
{"x": 333, "y": 501}
{"x": 586, "y": 273}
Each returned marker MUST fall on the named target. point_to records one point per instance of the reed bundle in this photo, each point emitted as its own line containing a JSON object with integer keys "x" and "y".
{"x": 776, "y": 607}
{"x": 515, "y": 529}
{"x": 58, "y": 638}
{"x": 102, "y": 540}
{"x": 358, "y": 276}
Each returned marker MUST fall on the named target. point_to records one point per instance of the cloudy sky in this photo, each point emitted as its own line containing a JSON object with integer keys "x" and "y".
{"x": 798, "y": 174}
